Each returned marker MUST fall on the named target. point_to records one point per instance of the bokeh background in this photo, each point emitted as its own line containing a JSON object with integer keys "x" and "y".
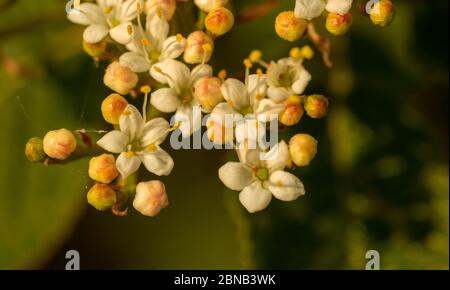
{"x": 380, "y": 180}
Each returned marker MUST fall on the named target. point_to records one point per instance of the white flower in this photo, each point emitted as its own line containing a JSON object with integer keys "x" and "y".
{"x": 209, "y": 5}
{"x": 258, "y": 178}
{"x": 310, "y": 9}
{"x": 286, "y": 77}
{"x": 152, "y": 45}
{"x": 107, "y": 16}
{"x": 138, "y": 141}
{"x": 243, "y": 100}
{"x": 178, "y": 96}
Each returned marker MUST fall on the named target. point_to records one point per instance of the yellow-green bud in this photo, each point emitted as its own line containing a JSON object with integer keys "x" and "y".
{"x": 382, "y": 12}
{"x": 293, "y": 112}
{"x": 59, "y": 144}
{"x": 112, "y": 108}
{"x": 338, "y": 24}
{"x": 302, "y": 149}
{"x": 289, "y": 27}
{"x": 316, "y": 106}
{"x": 101, "y": 196}
{"x": 219, "y": 21}
{"x": 34, "y": 150}
{"x": 150, "y": 197}
{"x": 103, "y": 168}
{"x": 120, "y": 78}
{"x": 207, "y": 92}
{"x": 199, "y": 48}
{"x": 96, "y": 50}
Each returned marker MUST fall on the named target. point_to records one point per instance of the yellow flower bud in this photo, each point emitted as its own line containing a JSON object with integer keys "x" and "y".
{"x": 166, "y": 7}
{"x": 293, "y": 112}
{"x": 338, "y": 24}
{"x": 207, "y": 92}
{"x": 120, "y": 78}
{"x": 59, "y": 144}
{"x": 101, "y": 196}
{"x": 112, "y": 108}
{"x": 34, "y": 150}
{"x": 151, "y": 197}
{"x": 219, "y": 21}
{"x": 289, "y": 27}
{"x": 199, "y": 48}
{"x": 302, "y": 149}
{"x": 103, "y": 168}
{"x": 316, "y": 106}
{"x": 96, "y": 50}
{"x": 382, "y": 13}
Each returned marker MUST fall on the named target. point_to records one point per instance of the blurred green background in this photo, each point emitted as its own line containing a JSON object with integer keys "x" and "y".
{"x": 380, "y": 180}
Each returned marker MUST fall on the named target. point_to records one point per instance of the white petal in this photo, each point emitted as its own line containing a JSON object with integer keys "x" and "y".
{"x": 128, "y": 10}
{"x": 87, "y": 14}
{"x": 189, "y": 119}
{"x": 278, "y": 157}
{"x": 255, "y": 198}
{"x": 250, "y": 129}
{"x": 165, "y": 100}
{"x": 171, "y": 72}
{"x": 114, "y": 142}
{"x": 268, "y": 110}
{"x": 285, "y": 186}
{"x": 200, "y": 71}
{"x": 339, "y": 6}
{"x": 172, "y": 48}
{"x": 158, "y": 28}
{"x": 135, "y": 61}
{"x": 131, "y": 122}
{"x": 158, "y": 162}
{"x": 309, "y": 9}
{"x": 256, "y": 87}
{"x": 278, "y": 94}
{"x": 303, "y": 79}
{"x": 95, "y": 33}
{"x": 127, "y": 164}
{"x": 155, "y": 132}
{"x": 121, "y": 34}
{"x": 236, "y": 175}
{"x": 235, "y": 93}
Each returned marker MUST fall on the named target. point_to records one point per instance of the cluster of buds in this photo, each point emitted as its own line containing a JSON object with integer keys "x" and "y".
{"x": 291, "y": 25}
{"x": 56, "y": 146}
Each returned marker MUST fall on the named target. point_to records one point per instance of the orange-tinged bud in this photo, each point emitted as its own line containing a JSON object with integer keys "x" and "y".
{"x": 338, "y": 24}
{"x": 103, "y": 168}
{"x": 219, "y": 21}
{"x": 302, "y": 149}
{"x": 101, "y": 196}
{"x": 316, "y": 106}
{"x": 382, "y": 13}
{"x": 293, "y": 112}
{"x": 289, "y": 27}
{"x": 112, "y": 108}
{"x": 59, "y": 144}
{"x": 120, "y": 78}
{"x": 199, "y": 48}
{"x": 150, "y": 198}
{"x": 207, "y": 92}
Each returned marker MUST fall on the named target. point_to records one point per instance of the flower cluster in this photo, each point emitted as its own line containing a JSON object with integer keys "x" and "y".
{"x": 147, "y": 64}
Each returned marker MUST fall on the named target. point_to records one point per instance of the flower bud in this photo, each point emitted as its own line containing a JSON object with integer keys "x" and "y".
{"x": 302, "y": 148}
{"x": 207, "y": 92}
{"x": 293, "y": 112}
{"x": 316, "y": 106}
{"x": 199, "y": 48}
{"x": 103, "y": 168}
{"x": 119, "y": 78}
{"x": 290, "y": 27}
{"x": 34, "y": 150}
{"x": 166, "y": 7}
{"x": 112, "y": 108}
{"x": 338, "y": 24}
{"x": 209, "y": 5}
{"x": 151, "y": 197}
{"x": 101, "y": 196}
{"x": 59, "y": 144}
{"x": 96, "y": 50}
{"x": 382, "y": 12}
{"x": 219, "y": 21}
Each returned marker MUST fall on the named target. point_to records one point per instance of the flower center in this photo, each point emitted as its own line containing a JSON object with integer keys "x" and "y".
{"x": 262, "y": 173}
{"x": 286, "y": 79}
{"x": 185, "y": 96}
{"x": 247, "y": 111}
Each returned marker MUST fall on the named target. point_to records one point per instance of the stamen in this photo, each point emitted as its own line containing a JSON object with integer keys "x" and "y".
{"x": 159, "y": 70}
{"x": 130, "y": 29}
{"x": 255, "y": 56}
{"x": 295, "y": 53}
{"x": 145, "y": 41}
{"x": 151, "y": 148}
{"x": 107, "y": 9}
{"x": 307, "y": 52}
{"x": 207, "y": 48}
{"x": 222, "y": 74}
{"x": 146, "y": 90}
{"x": 179, "y": 37}
{"x": 259, "y": 72}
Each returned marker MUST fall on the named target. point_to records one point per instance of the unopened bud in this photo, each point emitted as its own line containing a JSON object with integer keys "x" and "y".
{"x": 150, "y": 198}
{"x": 338, "y": 24}
{"x": 302, "y": 149}
{"x": 199, "y": 48}
{"x": 34, "y": 150}
{"x": 207, "y": 92}
{"x": 96, "y": 50}
{"x": 219, "y": 21}
{"x": 59, "y": 144}
{"x": 293, "y": 112}
{"x": 209, "y": 5}
{"x": 112, "y": 108}
{"x": 103, "y": 168}
{"x": 120, "y": 78}
{"x": 316, "y": 106}
{"x": 289, "y": 27}
{"x": 166, "y": 7}
{"x": 382, "y": 12}
{"x": 101, "y": 196}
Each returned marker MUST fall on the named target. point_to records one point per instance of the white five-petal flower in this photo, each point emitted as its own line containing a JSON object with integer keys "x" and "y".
{"x": 106, "y": 16}
{"x": 258, "y": 178}
{"x": 138, "y": 142}
{"x": 152, "y": 45}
